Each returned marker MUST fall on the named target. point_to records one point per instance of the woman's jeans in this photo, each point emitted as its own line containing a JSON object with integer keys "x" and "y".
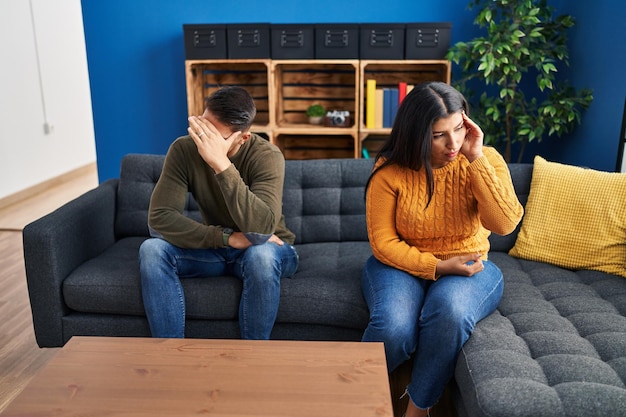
{"x": 432, "y": 319}
{"x": 260, "y": 267}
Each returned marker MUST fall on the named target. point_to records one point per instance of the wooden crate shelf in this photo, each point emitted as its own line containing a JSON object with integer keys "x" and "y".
{"x": 388, "y": 74}
{"x": 298, "y": 84}
{"x": 313, "y": 146}
{"x": 204, "y": 77}
{"x": 284, "y": 89}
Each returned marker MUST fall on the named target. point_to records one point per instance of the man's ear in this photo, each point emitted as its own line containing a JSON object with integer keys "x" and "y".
{"x": 246, "y": 136}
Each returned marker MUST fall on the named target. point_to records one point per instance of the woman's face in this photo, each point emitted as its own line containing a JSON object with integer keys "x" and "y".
{"x": 448, "y": 137}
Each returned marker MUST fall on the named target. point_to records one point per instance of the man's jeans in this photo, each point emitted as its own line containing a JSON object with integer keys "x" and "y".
{"x": 260, "y": 267}
{"x": 432, "y": 319}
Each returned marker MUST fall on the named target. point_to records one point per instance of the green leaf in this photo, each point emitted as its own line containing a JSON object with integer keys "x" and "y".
{"x": 549, "y": 67}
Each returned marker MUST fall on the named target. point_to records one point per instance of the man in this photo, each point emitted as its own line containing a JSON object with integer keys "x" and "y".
{"x": 236, "y": 177}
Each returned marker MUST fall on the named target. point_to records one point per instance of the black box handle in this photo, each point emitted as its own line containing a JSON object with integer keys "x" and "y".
{"x": 381, "y": 38}
{"x": 292, "y": 39}
{"x": 427, "y": 37}
{"x": 204, "y": 39}
{"x": 336, "y": 39}
{"x": 248, "y": 38}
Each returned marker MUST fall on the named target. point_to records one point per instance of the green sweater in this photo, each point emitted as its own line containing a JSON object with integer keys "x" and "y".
{"x": 246, "y": 197}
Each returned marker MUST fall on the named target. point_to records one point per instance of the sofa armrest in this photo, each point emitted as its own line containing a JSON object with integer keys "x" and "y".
{"x": 57, "y": 244}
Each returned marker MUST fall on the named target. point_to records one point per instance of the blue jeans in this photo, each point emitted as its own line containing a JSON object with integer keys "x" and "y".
{"x": 260, "y": 267}
{"x": 431, "y": 319}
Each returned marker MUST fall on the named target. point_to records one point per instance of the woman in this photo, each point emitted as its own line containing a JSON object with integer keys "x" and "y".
{"x": 434, "y": 196}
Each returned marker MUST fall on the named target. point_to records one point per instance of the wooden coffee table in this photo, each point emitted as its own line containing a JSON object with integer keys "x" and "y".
{"x": 98, "y": 376}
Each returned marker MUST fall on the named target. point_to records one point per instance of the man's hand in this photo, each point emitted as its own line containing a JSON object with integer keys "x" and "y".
{"x": 238, "y": 240}
{"x": 463, "y": 265}
{"x": 212, "y": 147}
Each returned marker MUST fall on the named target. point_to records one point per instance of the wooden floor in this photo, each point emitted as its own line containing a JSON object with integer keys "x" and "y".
{"x": 20, "y": 357}
{"x": 37, "y": 201}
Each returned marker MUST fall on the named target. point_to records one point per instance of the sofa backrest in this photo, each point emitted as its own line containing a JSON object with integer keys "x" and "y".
{"x": 521, "y": 175}
{"x": 139, "y": 174}
{"x": 323, "y": 199}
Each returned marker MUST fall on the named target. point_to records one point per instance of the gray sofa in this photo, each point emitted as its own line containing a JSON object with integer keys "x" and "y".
{"x": 555, "y": 347}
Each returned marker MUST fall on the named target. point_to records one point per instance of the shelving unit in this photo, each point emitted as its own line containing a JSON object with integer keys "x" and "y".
{"x": 203, "y": 77}
{"x": 297, "y": 85}
{"x": 389, "y": 74}
{"x": 283, "y": 90}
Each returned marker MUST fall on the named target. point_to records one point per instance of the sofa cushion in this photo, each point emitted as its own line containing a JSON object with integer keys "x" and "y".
{"x": 520, "y": 175}
{"x": 109, "y": 283}
{"x": 139, "y": 174}
{"x": 555, "y": 346}
{"x": 323, "y": 200}
{"x": 325, "y": 290}
{"x": 575, "y": 218}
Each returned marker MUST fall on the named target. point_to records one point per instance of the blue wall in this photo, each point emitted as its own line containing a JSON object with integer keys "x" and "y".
{"x": 135, "y": 54}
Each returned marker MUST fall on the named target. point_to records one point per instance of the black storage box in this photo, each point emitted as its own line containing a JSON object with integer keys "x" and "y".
{"x": 293, "y": 41}
{"x": 427, "y": 40}
{"x": 248, "y": 41}
{"x": 381, "y": 41}
{"x": 337, "y": 41}
{"x": 205, "y": 41}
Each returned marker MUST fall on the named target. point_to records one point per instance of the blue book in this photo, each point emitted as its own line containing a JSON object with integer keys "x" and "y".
{"x": 395, "y": 95}
{"x": 387, "y": 121}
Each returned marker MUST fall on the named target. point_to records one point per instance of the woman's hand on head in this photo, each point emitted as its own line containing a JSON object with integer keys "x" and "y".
{"x": 473, "y": 146}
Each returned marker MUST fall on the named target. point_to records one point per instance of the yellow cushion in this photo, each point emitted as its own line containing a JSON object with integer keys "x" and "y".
{"x": 575, "y": 218}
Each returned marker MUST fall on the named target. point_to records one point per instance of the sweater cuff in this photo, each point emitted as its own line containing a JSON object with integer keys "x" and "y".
{"x": 479, "y": 163}
{"x": 432, "y": 266}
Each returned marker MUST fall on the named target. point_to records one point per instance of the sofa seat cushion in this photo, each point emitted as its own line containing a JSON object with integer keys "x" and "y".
{"x": 109, "y": 283}
{"x": 555, "y": 346}
{"x": 326, "y": 290}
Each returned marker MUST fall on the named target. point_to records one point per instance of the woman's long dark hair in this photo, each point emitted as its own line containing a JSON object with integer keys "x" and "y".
{"x": 410, "y": 142}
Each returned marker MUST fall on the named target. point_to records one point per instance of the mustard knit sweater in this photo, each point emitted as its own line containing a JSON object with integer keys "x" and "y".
{"x": 470, "y": 201}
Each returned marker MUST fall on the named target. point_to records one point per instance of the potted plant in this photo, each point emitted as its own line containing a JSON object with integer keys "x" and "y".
{"x": 316, "y": 113}
{"x": 523, "y": 41}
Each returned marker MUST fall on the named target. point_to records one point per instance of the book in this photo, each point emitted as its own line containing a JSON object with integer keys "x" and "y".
{"x": 401, "y": 91}
{"x": 378, "y": 115}
{"x": 393, "y": 105}
{"x": 387, "y": 107}
{"x": 370, "y": 104}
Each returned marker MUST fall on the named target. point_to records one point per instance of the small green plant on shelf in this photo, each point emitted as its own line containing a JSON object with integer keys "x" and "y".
{"x": 316, "y": 113}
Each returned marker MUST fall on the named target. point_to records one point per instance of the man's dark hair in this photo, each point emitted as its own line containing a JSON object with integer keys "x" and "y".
{"x": 232, "y": 106}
